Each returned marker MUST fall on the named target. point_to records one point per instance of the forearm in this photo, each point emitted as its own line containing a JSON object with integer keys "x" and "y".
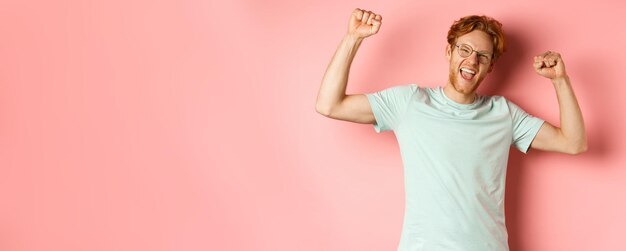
{"x": 333, "y": 87}
{"x": 572, "y": 125}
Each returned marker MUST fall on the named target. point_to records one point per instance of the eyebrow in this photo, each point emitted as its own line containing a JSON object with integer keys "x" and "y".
{"x": 483, "y": 52}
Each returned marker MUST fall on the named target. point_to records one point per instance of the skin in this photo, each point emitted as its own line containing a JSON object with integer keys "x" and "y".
{"x": 333, "y": 102}
{"x": 458, "y": 89}
{"x": 570, "y": 137}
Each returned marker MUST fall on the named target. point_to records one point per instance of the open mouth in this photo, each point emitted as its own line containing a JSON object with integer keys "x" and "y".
{"x": 467, "y": 74}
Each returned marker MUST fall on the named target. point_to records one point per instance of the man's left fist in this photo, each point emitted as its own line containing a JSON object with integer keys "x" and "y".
{"x": 550, "y": 65}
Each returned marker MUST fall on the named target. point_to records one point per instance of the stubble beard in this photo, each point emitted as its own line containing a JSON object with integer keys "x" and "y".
{"x": 452, "y": 78}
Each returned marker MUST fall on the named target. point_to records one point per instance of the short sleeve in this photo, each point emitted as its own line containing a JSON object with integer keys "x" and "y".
{"x": 525, "y": 127}
{"x": 389, "y": 105}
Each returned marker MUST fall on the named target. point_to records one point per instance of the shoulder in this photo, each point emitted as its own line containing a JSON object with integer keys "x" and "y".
{"x": 497, "y": 101}
{"x": 407, "y": 91}
{"x": 494, "y": 98}
{"x": 408, "y": 88}
{"x": 506, "y": 105}
{"x": 500, "y": 105}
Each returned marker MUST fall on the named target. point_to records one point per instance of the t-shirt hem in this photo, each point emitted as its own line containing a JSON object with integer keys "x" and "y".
{"x": 534, "y": 131}
{"x": 377, "y": 113}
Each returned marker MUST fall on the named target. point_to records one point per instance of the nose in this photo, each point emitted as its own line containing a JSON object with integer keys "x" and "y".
{"x": 473, "y": 57}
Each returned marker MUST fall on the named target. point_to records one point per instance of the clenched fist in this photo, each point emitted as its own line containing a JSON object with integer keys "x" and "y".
{"x": 364, "y": 23}
{"x": 550, "y": 65}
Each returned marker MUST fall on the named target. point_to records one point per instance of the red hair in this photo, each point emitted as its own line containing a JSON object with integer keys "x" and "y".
{"x": 483, "y": 23}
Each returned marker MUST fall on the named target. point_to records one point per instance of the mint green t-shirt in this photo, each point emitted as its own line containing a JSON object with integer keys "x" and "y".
{"x": 455, "y": 158}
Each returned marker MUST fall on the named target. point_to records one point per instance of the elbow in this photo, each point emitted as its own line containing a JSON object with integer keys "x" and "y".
{"x": 582, "y": 149}
{"x": 577, "y": 149}
{"x": 323, "y": 110}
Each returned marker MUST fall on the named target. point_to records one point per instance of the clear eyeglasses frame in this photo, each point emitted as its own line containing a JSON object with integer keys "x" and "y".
{"x": 465, "y": 51}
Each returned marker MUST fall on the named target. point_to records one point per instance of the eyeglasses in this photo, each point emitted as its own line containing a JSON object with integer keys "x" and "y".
{"x": 466, "y": 51}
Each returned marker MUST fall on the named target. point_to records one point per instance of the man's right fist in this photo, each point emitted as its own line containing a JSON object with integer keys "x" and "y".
{"x": 364, "y": 23}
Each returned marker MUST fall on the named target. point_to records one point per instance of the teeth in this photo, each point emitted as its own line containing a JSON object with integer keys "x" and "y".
{"x": 468, "y": 71}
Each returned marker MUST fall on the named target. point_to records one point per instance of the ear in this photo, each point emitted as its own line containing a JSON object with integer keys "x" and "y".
{"x": 448, "y": 52}
{"x": 491, "y": 67}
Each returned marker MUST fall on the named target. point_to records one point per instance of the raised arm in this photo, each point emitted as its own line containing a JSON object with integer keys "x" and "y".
{"x": 332, "y": 100}
{"x": 570, "y": 137}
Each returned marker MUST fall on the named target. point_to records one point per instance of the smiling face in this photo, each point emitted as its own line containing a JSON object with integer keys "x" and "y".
{"x": 466, "y": 74}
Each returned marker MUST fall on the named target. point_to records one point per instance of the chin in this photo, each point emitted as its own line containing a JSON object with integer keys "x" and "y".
{"x": 463, "y": 86}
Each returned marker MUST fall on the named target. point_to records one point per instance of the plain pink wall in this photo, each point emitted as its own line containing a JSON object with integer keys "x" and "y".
{"x": 190, "y": 125}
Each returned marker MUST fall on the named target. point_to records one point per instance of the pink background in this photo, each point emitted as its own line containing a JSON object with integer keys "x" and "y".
{"x": 190, "y": 125}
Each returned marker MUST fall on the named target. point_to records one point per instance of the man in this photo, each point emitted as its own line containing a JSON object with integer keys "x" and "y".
{"x": 454, "y": 142}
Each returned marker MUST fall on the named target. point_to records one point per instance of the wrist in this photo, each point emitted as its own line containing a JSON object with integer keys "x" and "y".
{"x": 350, "y": 37}
{"x": 560, "y": 80}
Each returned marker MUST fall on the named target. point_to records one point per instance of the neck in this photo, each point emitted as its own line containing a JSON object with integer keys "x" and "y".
{"x": 459, "y": 97}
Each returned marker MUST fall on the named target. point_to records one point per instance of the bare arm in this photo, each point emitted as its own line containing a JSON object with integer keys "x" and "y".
{"x": 332, "y": 100}
{"x": 570, "y": 137}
